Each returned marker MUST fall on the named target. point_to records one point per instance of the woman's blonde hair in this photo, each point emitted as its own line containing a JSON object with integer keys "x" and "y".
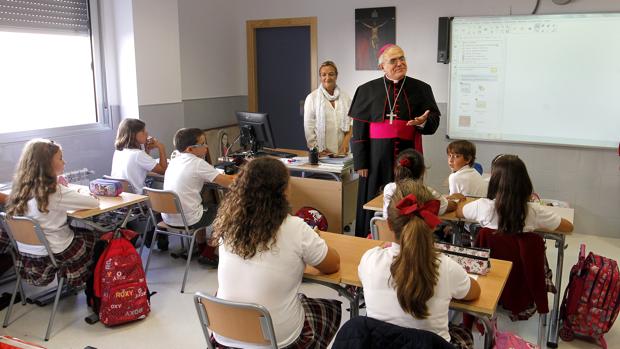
{"x": 328, "y": 64}
{"x": 252, "y": 212}
{"x": 34, "y": 177}
{"x": 415, "y": 271}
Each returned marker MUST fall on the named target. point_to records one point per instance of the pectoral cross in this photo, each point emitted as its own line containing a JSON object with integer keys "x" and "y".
{"x": 391, "y": 115}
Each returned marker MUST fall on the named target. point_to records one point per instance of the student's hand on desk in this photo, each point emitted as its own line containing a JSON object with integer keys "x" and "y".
{"x": 419, "y": 120}
{"x": 324, "y": 153}
{"x": 457, "y": 197}
{"x": 363, "y": 172}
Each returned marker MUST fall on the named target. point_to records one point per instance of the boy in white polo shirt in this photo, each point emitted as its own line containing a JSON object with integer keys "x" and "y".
{"x": 186, "y": 174}
{"x": 464, "y": 178}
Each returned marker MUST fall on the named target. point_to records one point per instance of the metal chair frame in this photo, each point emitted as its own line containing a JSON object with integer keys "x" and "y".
{"x": 266, "y": 323}
{"x": 184, "y": 233}
{"x": 36, "y": 228}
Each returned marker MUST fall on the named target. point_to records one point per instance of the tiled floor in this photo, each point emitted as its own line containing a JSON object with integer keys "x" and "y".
{"x": 173, "y": 322}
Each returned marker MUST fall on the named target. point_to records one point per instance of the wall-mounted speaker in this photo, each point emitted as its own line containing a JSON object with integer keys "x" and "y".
{"x": 443, "y": 40}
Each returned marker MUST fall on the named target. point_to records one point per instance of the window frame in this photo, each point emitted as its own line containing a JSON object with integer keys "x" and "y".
{"x": 104, "y": 122}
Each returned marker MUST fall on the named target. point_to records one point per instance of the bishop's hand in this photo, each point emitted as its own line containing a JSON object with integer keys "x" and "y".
{"x": 419, "y": 120}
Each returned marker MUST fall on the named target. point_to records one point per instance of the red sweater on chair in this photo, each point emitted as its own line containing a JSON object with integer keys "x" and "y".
{"x": 526, "y": 282}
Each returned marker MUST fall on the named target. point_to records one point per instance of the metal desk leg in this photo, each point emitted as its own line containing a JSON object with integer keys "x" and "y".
{"x": 352, "y": 297}
{"x": 554, "y": 323}
{"x": 489, "y": 332}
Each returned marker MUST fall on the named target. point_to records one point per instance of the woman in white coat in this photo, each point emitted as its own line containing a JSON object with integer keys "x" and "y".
{"x": 326, "y": 122}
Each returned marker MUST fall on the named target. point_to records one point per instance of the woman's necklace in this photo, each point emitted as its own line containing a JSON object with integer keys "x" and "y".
{"x": 392, "y": 107}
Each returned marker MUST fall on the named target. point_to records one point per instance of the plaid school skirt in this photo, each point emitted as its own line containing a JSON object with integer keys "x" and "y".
{"x": 322, "y": 320}
{"x": 460, "y": 337}
{"x": 5, "y": 243}
{"x": 74, "y": 262}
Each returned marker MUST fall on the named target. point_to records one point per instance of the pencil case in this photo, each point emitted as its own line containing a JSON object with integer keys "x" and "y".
{"x": 473, "y": 260}
{"x": 106, "y": 187}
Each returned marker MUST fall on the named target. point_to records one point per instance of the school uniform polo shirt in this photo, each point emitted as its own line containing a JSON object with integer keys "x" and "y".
{"x": 185, "y": 175}
{"x": 132, "y": 165}
{"x": 468, "y": 181}
{"x": 382, "y": 302}
{"x": 538, "y": 216}
{"x": 272, "y": 278}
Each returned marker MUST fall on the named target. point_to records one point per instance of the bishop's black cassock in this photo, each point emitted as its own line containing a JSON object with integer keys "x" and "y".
{"x": 376, "y": 143}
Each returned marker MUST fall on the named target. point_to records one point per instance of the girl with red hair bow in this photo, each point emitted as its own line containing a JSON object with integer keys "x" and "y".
{"x": 410, "y": 283}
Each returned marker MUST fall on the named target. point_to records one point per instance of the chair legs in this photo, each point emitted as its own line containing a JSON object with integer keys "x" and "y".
{"x": 148, "y": 256}
{"x": 189, "y": 259}
{"x": 18, "y": 286}
{"x": 61, "y": 282}
{"x": 542, "y": 324}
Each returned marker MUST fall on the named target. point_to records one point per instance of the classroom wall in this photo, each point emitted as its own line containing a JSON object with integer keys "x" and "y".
{"x": 213, "y": 64}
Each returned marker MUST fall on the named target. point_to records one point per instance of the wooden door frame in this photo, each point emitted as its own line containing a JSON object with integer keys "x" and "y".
{"x": 251, "y": 27}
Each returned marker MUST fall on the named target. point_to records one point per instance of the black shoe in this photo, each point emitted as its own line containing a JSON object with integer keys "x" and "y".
{"x": 162, "y": 242}
{"x": 207, "y": 261}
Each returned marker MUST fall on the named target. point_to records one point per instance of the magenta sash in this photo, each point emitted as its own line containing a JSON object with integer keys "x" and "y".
{"x": 398, "y": 129}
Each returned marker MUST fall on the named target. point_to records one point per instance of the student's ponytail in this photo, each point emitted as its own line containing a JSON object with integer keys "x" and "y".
{"x": 409, "y": 165}
{"x": 415, "y": 271}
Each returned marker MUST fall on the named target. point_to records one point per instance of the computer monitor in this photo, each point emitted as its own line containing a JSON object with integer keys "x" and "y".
{"x": 255, "y": 131}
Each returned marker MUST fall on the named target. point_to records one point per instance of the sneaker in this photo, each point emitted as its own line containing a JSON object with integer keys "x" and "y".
{"x": 208, "y": 261}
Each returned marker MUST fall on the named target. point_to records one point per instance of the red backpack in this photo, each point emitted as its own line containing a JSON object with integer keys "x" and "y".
{"x": 119, "y": 281}
{"x": 591, "y": 299}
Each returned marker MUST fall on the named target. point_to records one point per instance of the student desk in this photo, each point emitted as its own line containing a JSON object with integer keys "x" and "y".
{"x": 351, "y": 249}
{"x": 331, "y": 190}
{"x": 376, "y": 204}
{"x": 106, "y": 204}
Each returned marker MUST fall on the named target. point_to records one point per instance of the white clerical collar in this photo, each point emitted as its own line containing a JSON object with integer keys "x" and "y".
{"x": 394, "y": 81}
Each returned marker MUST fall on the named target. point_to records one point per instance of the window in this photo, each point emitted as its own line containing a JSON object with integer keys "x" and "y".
{"x": 49, "y": 66}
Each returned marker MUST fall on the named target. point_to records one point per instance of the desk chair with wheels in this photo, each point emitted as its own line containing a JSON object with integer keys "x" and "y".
{"x": 28, "y": 231}
{"x": 167, "y": 201}
{"x": 245, "y": 322}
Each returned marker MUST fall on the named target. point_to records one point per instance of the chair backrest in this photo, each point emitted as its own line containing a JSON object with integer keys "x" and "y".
{"x": 245, "y": 322}
{"x": 163, "y": 201}
{"x": 25, "y": 230}
{"x": 380, "y": 230}
{"x": 127, "y": 187}
{"x": 478, "y": 167}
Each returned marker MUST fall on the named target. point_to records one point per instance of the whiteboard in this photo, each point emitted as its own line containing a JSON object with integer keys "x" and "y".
{"x": 551, "y": 79}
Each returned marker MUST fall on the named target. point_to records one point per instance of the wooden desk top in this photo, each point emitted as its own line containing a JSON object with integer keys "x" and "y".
{"x": 376, "y": 204}
{"x": 491, "y": 287}
{"x": 352, "y": 248}
{"x": 107, "y": 203}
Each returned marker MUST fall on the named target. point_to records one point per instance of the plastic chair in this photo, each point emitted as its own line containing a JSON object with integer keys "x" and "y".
{"x": 380, "y": 230}
{"x": 28, "y": 231}
{"x": 245, "y": 322}
{"x": 167, "y": 201}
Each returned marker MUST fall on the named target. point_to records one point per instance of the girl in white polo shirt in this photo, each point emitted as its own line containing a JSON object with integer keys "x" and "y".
{"x": 37, "y": 194}
{"x": 506, "y": 207}
{"x": 131, "y": 161}
{"x": 409, "y": 283}
{"x": 263, "y": 253}
{"x": 410, "y": 165}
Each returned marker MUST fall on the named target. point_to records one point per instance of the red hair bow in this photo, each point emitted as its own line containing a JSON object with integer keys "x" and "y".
{"x": 428, "y": 212}
{"x": 404, "y": 162}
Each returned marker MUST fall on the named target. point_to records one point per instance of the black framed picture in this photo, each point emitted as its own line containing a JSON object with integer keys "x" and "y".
{"x": 374, "y": 27}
